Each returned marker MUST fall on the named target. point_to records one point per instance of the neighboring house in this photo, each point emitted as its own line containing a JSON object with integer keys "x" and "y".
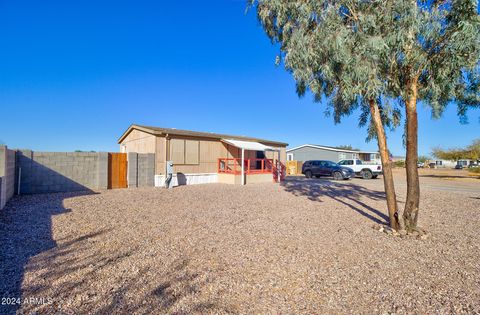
{"x": 467, "y": 163}
{"x": 204, "y": 157}
{"x": 320, "y": 152}
{"x": 443, "y": 163}
{"x": 451, "y": 163}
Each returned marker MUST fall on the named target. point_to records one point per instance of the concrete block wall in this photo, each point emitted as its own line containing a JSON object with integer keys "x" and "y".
{"x": 102, "y": 170}
{"x": 146, "y": 169}
{"x": 7, "y": 172}
{"x": 45, "y": 172}
{"x": 141, "y": 169}
{"x": 2, "y": 202}
{"x": 132, "y": 169}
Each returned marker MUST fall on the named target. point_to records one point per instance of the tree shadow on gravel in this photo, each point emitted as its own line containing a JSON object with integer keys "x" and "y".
{"x": 346, "y": 193}
{"x": 85, "y": 273}
{"x": 180, "y": 282}
{"x": 25, "y": 232}
{"x": 177, "y": 293}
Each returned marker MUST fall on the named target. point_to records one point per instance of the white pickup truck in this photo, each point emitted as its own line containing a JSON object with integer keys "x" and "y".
{"x": 366, "y": 171}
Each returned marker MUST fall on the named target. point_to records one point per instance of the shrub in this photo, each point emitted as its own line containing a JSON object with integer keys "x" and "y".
{"x": 399, "y": 163}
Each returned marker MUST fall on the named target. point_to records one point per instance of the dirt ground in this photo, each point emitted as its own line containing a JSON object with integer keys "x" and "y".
{"x": 307, "y": 246}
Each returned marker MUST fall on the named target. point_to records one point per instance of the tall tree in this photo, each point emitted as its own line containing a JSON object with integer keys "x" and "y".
{"x": 433, "y": 58}
{"x": 333, "y": 51}
{"x": 380, "y": 56}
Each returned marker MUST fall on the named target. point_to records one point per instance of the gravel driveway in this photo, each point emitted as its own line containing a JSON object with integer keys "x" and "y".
{"x": 306, "y": 247}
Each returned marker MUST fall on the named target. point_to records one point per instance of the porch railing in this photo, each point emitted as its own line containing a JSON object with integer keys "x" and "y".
{"x": 252, "y": 166}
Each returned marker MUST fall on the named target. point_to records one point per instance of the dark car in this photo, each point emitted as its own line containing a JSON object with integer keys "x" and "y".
{"x": 326, "y": 168}
{"x": 459, "y": 167}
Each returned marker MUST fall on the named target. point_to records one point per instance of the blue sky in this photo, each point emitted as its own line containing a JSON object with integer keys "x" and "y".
{"x": 75, "y": 74}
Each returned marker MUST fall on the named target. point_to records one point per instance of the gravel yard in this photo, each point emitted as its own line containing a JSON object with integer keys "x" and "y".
{"x": 305, "y": 247}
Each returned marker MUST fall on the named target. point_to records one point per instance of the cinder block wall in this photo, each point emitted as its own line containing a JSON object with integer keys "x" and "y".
{"x": 7, "y": 171}
{"x": 141, "y": 169}
{"x": 146, "y": 169}
{"x": 3, "y": 200}
{"x": 44, "y": 172}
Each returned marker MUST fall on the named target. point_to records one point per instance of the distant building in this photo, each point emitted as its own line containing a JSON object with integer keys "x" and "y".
{"x": 398, "y": 158}
{"x": 451, "y": 163}
{"x": 321, "y": 152}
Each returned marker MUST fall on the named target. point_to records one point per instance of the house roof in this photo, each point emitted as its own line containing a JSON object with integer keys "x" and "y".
{"x": 248, "y": 145}
{"x": 324, "y": 147}
{"x": 159, "y": 131}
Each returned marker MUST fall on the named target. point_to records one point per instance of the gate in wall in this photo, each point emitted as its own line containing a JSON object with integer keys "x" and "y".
{"x": 117, "y": 170}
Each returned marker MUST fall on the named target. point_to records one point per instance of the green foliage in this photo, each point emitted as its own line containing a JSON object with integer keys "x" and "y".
{"x": 333, "y": 50}
{"x": 400, "y": 163}
{"x": 474, "y": 150}
{"x": 448, "y": 154}
{"x": 348, "y": 52}
{"x": 475, "y": 170}
{"x": 471, "y": 152}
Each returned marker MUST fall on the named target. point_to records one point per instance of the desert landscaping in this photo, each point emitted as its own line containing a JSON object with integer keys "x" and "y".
{"x": 305, "y": 246}
{"x": 240, "y": 157}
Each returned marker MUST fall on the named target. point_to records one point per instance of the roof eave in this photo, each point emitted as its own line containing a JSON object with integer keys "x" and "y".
{"x": 192, "y": 134}
{"x": 141, "y": 128}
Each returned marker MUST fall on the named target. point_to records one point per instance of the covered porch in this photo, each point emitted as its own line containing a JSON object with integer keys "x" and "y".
{"x": 249, "y": 168}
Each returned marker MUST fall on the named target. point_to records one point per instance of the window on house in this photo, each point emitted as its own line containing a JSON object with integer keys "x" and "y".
{"x": 290, "y": 157}
{"x": 342, "y": 156}
{"x": 184, "y": 151}
{"x": 177, "y": 151}
{"x": 192, "y": 151}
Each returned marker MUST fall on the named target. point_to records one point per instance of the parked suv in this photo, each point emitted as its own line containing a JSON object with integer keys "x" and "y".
{"x": 326, "y": 168}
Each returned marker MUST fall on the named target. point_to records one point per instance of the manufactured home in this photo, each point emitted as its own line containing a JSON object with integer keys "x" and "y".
{"x": 204, "y": 157}
{"x": 451, "y": 163}
{"x": 321, "y": 152}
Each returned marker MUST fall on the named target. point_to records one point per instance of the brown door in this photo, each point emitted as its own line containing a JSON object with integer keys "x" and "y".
{"x": 117, "y": 170}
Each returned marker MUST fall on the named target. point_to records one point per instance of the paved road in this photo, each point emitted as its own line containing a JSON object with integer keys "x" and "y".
{"x": 446, "y": 187}
{"x": 438, "y": 184}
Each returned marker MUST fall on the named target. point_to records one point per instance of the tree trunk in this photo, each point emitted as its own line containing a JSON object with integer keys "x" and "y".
{"x": 386, "y": 165}
{"x": 410, "y": 214}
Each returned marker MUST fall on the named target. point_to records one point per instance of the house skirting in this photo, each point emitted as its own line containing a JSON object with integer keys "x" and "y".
{"x": 249, "y": 178}
{"x": 180, "y": 179}
{"x": 187, "y": 179}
